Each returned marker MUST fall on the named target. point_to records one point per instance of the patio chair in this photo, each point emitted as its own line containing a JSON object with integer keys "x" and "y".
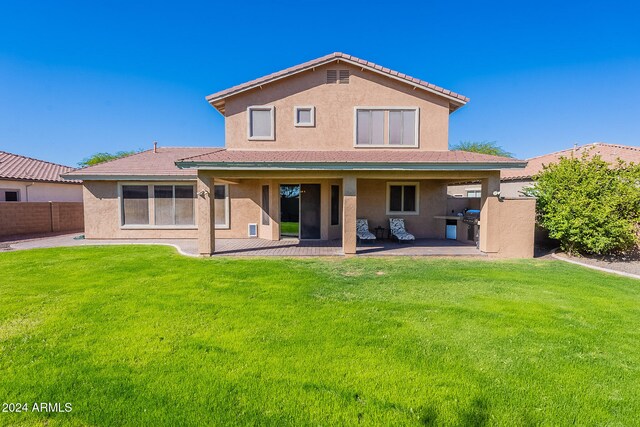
{"x": 399, "y": 232}
{"x": 362, "y": 231}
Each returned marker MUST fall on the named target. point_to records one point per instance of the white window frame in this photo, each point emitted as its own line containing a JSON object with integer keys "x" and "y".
{"x": 297, "y": 108}
{"x": 269, "y": 108}
{"x": 152, "y": 209}
{"x": 386, "y": 134}
{"x": 227, "y": 202}
{"x": 403, "y": 184}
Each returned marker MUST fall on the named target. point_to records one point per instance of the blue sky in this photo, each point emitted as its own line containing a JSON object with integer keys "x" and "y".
{"x": 81, "y": 77}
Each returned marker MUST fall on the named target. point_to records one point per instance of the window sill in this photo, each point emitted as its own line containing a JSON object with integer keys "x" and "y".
{"x": 260, "y": 138}
{"x": 222, "y": 227}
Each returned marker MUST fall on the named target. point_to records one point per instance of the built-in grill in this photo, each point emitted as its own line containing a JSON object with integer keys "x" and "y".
{"x": 471, "y": 217}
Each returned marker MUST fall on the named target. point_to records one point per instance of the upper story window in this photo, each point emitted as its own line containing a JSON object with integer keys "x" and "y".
{"x": 304, "y": 116}
{"x": 384, "y": 126}
{"x": 261, "y": 123}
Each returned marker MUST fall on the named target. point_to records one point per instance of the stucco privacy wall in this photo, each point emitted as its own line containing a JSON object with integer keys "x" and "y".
{"x": 334, "y": 110}
{"x": 517, "y": 226}
{"x": 42, "y": 191}
{"x": 23, "y": 218}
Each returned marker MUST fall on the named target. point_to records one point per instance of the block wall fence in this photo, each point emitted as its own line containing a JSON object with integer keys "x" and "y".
{"x": 26, "y": 218}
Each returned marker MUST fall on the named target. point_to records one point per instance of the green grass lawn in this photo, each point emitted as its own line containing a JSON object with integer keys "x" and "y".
{"x": 289, "y": 228}
{"x": 143, "y": 336}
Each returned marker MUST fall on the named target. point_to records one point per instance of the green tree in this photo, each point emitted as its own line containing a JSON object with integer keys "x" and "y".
{"x": 590, "y": 206}
{"x": 482, "y": 147}
{"x": 105, "y": 157}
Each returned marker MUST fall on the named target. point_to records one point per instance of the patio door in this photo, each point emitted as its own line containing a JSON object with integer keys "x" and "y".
{"x": 310, "y": 211}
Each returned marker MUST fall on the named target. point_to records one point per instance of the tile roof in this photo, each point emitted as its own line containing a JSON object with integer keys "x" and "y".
{"x": 17, "y": 167}
{"x": 377, "y": 156}
{"x": 145, "y": 163}
{"x": 609, "y": 153}
{"x": 461, "y": 99}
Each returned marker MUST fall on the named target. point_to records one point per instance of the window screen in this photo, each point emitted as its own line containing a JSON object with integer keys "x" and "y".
{"x": 304, "y": 116}
{"x": 402, "y": 127}
{"x": 10, "y": 196}
{"x": 163, "y": 204}
{"x": 135, "y": 204}
{"x": 260, "y": 123}
{"x": 335, "y": 205}
{"x": 370, "y": 127}
{"x": 185, "y": 205}
{"x": 395, "y": 198}
{"x": 265, "y": 205}
{"x": 174, "y": 204}
{"x": 221, "y": 201}
{"x": 403, "y": 198}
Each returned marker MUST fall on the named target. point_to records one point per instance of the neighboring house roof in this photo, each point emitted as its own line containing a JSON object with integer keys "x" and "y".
{"x": 358, "y": 160}
{"x": 159, "y": 165}
{"x": 22, "y": 168}
{"x": 609, "y": 153}
{"x": 216, "y": 99}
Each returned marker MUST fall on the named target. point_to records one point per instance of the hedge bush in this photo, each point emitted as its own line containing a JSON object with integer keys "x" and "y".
{"x": 590, "y": 206}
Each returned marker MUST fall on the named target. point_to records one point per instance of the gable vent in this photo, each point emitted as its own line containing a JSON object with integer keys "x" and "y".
{"x": 332, "y": 76}
{"x": 343, "y": 77}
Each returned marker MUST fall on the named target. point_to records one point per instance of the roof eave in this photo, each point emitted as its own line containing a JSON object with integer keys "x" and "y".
{"x": 362, "y": 166}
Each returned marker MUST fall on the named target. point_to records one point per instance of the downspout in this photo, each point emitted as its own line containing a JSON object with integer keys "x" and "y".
{"x": 26, "y": 191}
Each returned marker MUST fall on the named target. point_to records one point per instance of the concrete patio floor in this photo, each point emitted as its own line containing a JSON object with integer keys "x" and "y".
{"x": 260, "y": 247}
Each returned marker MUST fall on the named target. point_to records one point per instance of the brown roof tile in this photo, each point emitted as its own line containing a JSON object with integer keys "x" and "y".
{"x": 146, "y": 163}
{"x": 326, "y": 59}
{"x": 379, "y": 156}
{"x": 14, "y": 166}
{"x": 609, "y": 153}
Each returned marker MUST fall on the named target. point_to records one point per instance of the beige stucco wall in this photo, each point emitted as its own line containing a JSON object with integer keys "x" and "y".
{"x": 334, "y": 115}
{"x": 42, "y": 191}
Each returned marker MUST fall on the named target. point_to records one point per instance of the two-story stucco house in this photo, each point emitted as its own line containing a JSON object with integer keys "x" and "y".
{"x": 308, "y": 150}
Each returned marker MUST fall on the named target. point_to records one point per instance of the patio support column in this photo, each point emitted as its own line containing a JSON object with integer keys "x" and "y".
{"x": 349, "y": 213}
{"x": 490, "y": 215}
{"x": 206, "y": 212}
